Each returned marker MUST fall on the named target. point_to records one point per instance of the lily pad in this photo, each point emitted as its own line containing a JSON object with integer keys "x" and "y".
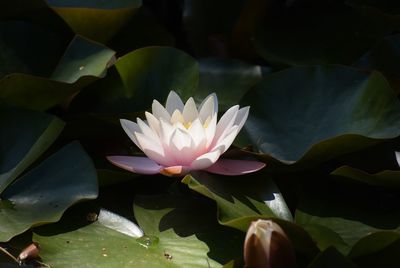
{"x": 344, "y": 215}
{"x": 236, "y": 199}
{"x": 229, "y": 79}
{"x": 240, "y": 202}
{"x": 172, "y": 239}
{"x": 378, "y": 249}
{"x": 331, "y": 258}
{"x": 83, "y": 58}
{"x": 373, "y": 243}
{"x": 140, "y": 77}
{"x": 83, "y": 62}
{"x": 83, "y": 16}
{"x": 388, "y": 178}
{"x": 313, "y": 114}
{"x": 24, "y": 137}
{"x": 43, "y": 194}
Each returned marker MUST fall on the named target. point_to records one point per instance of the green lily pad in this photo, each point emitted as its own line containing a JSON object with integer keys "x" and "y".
{"x": 313, "y": 114}
{"x": 340, "y": 216}
{"x": 240, "y": 202}
{"x": 24, "y": 137}
{"x": 377, "y": 250}
{"x": 44, "y": 193}
{"x": 236, "y": 199}
{"x": 331, "y": 258}
{"x": 387, "y": 178}
{"x": 140, "y": 77}
{"x": 230, "y": 79}
{"x": 83, "y": 16}
{"x": 83, "y": 62}
{"x": 83, "y": 58}
{"x": 172, "y": 238}
{"x": 373, "y": 243}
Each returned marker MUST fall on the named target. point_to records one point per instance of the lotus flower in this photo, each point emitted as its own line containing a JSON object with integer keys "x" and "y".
{"x": 181, "y": 137}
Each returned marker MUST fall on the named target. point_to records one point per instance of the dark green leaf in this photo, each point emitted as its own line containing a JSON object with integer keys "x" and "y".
{"x": 140, "y": 77}
{"x": 387, "y": 178}
{"x": 331, "y": 258}
{"x": 24, "y": 137}
{"x": 83, "y": 16}
{"x": 83, "y": 58}
{"x": 229, "y": 79}
{"x": 373, "y": 243}
{"x": 82, "y": 63}
{"x": 313, "y": 114}
{"x": 43, "y": 194}
{"x": 180, "y": 232}
{"x": 340, "y": 216}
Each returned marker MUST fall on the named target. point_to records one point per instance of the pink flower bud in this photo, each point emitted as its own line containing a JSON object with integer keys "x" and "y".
{"x": 267, "y": 246}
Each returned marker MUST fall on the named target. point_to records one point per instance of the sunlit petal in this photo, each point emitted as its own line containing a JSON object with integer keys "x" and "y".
{"x": 190, "y": 112}
{"x": 130, "y": 128}
{"x": 174, "y": 102}
{"x": 153, "y": 122}
{"x": 208, "y": 108}
{"x": 159, "y": 111}
{"x": 206, "y": 160}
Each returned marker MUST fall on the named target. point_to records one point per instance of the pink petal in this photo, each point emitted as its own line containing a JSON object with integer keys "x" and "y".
{"x": 141, "y": 165}
{"x": 232, "y": 167}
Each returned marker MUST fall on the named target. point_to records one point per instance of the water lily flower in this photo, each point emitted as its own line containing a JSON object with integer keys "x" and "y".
{"x": 179, "y": 138}
{"x": 267, "y": 246}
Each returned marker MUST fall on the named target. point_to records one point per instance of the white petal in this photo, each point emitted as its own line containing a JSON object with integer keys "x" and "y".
{"x": 166, "y": 131}
{"x": 206, "y": 160}
{"x": 130, "y": 128}
{"x": 210, "y": 130}
{"x": 177, "y": 117}
{"x": 398, "y": 157}
{"x": 224, "y": 143}
{"x": 198, "y": 134}
{"x": 159, "y": 111}
{"x": 208, "y": 108}
{"x": 153, "y": 122}
{"x": 225, "y": 123}
{"x": 241, "y": 117}
{"x": 190, "y": 112}
{"x": 153, "y": 150}
{"x": 181, "y": 139}
{"x": 182, "y": 147}
{"x": 147, "y": 131}
{"x": 174, "y": 102}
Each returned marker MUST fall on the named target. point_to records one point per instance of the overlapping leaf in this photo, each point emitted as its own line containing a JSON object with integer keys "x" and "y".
{"x": 312, "y": 114}
{"x": 139, "y": 77}
{"x": 83, "y": 16}
{"x": 82, "y": 63}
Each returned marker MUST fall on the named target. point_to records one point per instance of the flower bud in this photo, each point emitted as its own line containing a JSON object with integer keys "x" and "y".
{"x": 267, "y": 246}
